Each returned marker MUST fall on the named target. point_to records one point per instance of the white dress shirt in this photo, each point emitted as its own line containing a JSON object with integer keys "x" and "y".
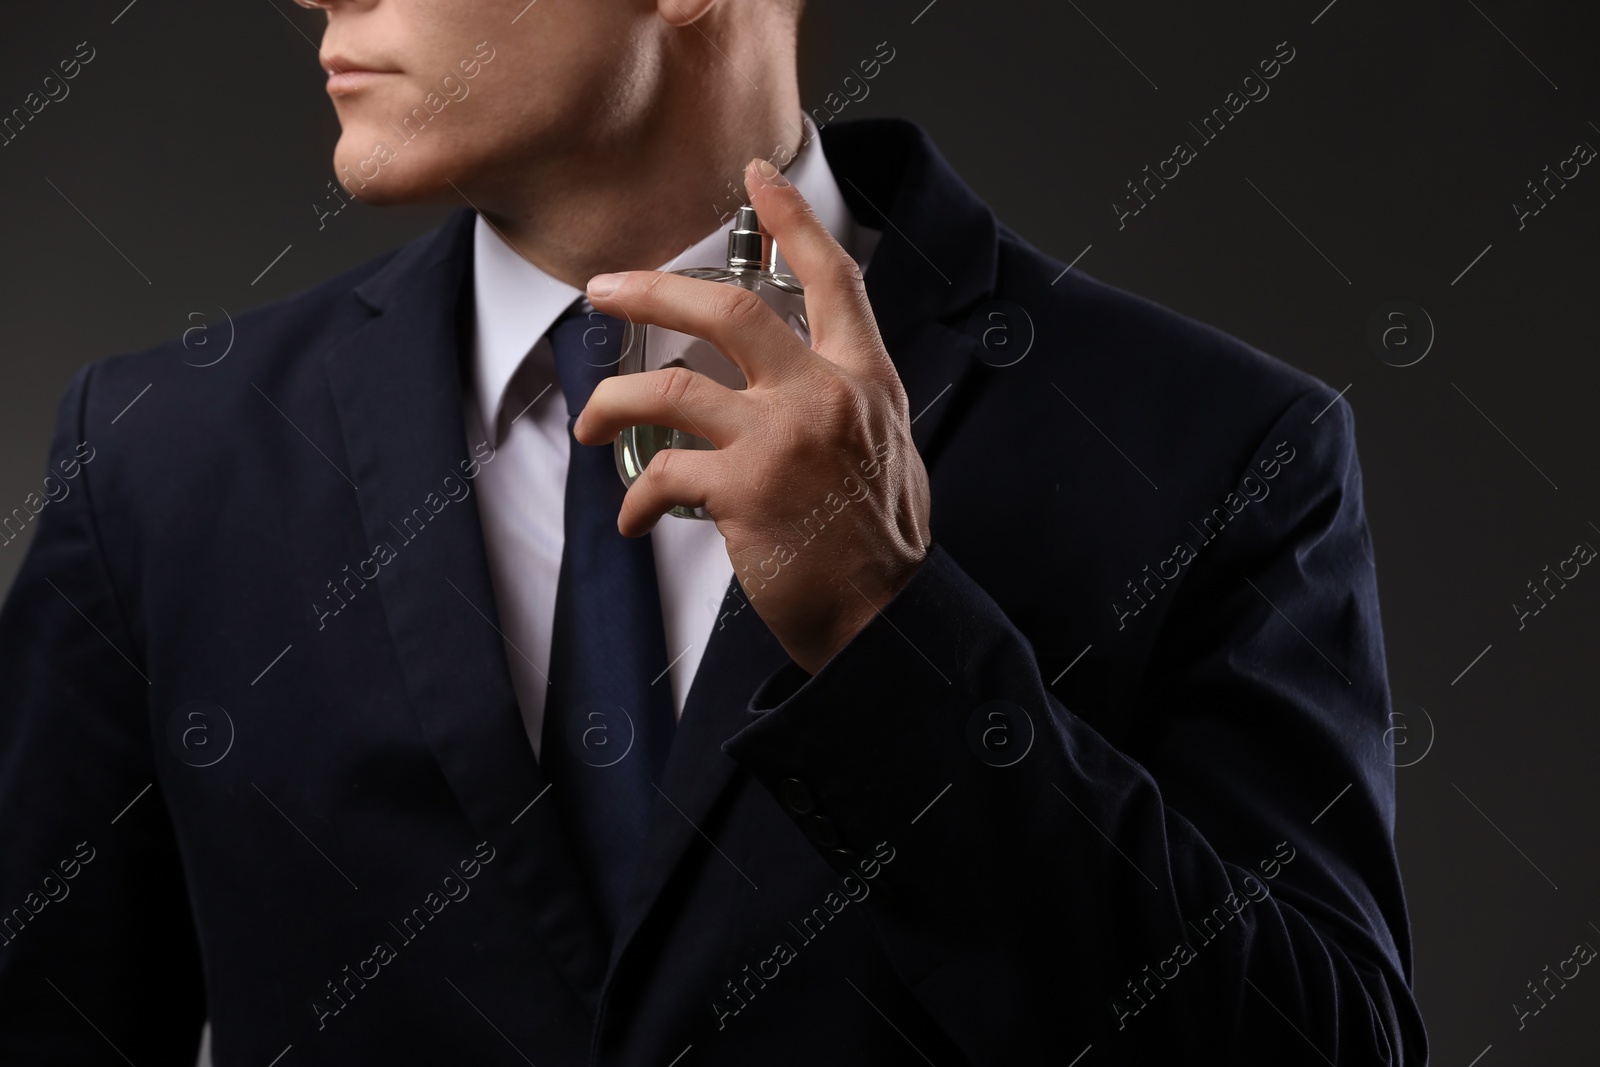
{"x": 522, "y": 492}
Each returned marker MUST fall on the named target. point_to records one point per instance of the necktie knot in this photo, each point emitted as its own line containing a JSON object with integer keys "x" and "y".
{"x": 588, "y": 348}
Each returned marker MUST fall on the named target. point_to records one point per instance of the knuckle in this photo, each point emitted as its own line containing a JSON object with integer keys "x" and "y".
{"x": 677, "y": 385}
{"x": 739, "y": 308}
{"x": 832, "y": 408}
{"x": 789, "y": 442}
{"x": 847, "y": 275}
{"x": 803, "y": 214}
{"x": 657, "y": 467}
{"x": 836, "y": 394}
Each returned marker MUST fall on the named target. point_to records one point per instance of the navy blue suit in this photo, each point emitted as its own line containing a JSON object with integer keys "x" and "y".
{"x": 1110, "y": 773}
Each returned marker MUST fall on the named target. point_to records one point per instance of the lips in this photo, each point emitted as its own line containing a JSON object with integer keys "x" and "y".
{"x": 347, "y": 75}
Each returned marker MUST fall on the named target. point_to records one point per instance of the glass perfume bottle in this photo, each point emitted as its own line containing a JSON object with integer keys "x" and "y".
{"x": 751, "y": 255}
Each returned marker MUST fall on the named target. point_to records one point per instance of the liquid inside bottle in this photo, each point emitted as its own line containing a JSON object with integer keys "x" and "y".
{"x": 645, "y": 347}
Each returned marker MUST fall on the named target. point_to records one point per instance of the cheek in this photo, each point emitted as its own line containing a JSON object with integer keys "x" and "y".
{"x": 583, "y": 82}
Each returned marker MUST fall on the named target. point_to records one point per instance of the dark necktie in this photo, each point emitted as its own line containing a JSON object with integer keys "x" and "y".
{"x": 608, "y": 718}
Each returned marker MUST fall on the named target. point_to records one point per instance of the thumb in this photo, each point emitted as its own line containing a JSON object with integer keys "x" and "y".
{"x": 836, "y": 296}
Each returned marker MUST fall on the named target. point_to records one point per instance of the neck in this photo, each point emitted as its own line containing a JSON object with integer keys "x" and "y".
{"x": 641, "y": 194}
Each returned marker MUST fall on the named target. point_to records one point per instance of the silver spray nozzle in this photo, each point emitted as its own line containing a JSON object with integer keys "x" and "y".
{"x": 748, "y": 244}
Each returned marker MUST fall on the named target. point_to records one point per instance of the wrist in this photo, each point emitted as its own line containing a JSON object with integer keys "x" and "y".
{"x": 859, "y": 603}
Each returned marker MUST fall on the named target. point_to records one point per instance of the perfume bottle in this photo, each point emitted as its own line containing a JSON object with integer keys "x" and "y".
{"x": 751, "y": 255}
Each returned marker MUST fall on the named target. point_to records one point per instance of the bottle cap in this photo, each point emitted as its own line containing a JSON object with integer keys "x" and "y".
{"x": 748, "y": 244}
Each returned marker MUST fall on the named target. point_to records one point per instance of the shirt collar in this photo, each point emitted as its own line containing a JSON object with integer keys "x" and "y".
{"x": 515, "y": 303}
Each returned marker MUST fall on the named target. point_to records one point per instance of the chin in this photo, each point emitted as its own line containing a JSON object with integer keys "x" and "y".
{"x": 381, "y": 170}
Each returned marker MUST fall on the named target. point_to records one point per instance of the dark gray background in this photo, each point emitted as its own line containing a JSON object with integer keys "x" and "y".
{"x": 1386, "y": 159}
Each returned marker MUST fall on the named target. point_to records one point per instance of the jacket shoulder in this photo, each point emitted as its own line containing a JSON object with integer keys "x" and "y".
{"x": 1184, "y": 386}
{"x": 270, "y": 326}
{"x": 189, "y": 412}
{"x": 1144, "y": 336}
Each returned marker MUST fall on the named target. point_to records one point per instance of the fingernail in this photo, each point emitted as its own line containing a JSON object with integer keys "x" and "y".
{"x": 770, "y": 174}
{"x": 604, "y": 284}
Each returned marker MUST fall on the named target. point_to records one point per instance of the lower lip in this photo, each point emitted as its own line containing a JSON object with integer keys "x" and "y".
{"x": 350, "y": 81}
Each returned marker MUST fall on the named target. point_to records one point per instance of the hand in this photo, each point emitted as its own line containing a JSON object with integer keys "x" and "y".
{"x": 815, "y": 485}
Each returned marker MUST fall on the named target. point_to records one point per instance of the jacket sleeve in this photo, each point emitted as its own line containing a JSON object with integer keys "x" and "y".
{"x": 1223, "y": 887}
{"x": 98, "y": 959}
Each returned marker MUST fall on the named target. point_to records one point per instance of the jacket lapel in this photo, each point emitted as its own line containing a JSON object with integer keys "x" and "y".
{"x": 741, "y": 654}
{"x": 933, "y": 269}
{"x": 397, "y": 386}
{"x": 933, "y": 265}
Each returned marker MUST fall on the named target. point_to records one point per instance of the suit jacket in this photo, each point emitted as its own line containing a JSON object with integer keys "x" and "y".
{"x": 1109, "y": 777}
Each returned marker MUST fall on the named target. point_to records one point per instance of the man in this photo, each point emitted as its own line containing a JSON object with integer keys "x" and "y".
{"x": 1039, "y": 711}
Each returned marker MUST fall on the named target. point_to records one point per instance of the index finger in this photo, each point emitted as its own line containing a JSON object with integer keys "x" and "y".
{"x": 736, "y": 321}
